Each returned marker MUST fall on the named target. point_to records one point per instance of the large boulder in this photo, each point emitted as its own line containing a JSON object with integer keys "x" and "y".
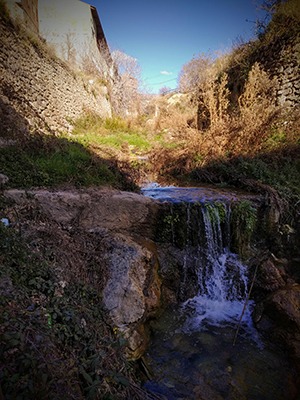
{"x": 132, "y": 291}
{"x": 284, "y": 307}
{"x": 269, "y": 276}
{"x": 280, "y": 318}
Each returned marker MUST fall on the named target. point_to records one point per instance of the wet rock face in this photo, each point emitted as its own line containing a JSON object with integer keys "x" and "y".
{"x": 269, "y": 277}
{"x": 280, "y": 319}
{"x": 277, "y": 314}
{"x": 284, "y": 307}
{"x": 277, "y": 295}
{"x": 179, "y": 283}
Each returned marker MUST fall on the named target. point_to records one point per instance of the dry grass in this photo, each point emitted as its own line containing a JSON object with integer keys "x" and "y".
{"x": 253, "y": 125}
{"x": 257, "y": 106}
{"x": 240, "y": 127}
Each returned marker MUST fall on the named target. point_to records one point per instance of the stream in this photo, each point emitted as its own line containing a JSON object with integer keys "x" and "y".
{"x": 206, "y": 346}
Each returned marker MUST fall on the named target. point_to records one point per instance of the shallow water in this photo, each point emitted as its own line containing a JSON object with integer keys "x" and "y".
{"x": 191, "y": 354}
{"x": 204, "y": 364}
{"x": 174, "y": 194}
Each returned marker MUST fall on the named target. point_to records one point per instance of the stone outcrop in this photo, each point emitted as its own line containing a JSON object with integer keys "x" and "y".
{"x": 103, "y": 237}
{"x": 132, "y": 291}
{"x": 129, "y": 266}
{"x": 277, "y": 310}
{"x": 116, "y": 242}
{"x": 280, "y": 318}
{"x": 280, "y": 58}
{"x": 93, "y": 209}
{"x": 269, "y": 277}
{"x": 40, "y": 87}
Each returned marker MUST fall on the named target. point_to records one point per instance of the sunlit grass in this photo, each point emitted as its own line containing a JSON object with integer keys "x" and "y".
{"x": 116, "y": 134}
{"x": 117, "y": 140}
{"x": 90, "y": 155}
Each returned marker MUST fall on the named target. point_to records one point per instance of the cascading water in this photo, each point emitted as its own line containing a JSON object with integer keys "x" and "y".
{"x": 222, "y": 278}
{"x": 191, "y": 354}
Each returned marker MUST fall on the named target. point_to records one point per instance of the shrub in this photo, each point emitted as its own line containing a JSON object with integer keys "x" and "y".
{"x": 216, "y": 100}
{"x": 257, "y": 102}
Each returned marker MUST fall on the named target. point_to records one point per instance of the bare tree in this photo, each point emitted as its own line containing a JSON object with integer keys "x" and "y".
{"x": 202, "y": 77}
{"x": 195, "y": 73}
{"x": 125, "y": 93}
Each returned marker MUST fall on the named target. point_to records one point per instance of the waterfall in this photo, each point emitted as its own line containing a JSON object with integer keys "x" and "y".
{"x": 221, "y": 277}
{"x": 213, "y": 281}
{"x": 199, "y": 233}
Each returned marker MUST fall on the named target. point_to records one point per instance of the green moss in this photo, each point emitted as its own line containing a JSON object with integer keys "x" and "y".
{"x": 243, "y": 225}
{"x": 217, "y": 212}
{"x": 172, "y": 225}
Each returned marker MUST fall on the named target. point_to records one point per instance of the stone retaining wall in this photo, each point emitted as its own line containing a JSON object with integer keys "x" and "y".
{"x": 41, "y": 88}
{"x": 282, "y": 60}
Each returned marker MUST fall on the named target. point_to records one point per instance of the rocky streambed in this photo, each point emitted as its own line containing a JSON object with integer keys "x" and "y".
{"x": 139, "y": 250}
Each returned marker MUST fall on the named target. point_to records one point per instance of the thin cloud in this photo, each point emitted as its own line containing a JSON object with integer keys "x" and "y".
{"x": 166, "y": 73}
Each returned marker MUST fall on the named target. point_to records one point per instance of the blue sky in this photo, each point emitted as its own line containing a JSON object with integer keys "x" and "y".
{"x": 163, "y": 35}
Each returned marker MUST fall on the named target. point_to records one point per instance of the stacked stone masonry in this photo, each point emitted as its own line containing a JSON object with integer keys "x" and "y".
{"x": 282, "y": 60}
{"x": 41, "y": 88}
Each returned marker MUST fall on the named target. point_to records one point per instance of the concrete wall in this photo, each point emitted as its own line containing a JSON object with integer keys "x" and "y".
{"x": 42, "y": 88}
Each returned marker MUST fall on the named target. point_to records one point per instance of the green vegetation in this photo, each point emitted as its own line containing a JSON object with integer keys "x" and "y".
{"x": 217, "y": 212}
{"x": 56, "y": 340}
{"x": 245, "y": 216}
{"x": 89, "y": 123}
{"x": 117, "y": 141}
{"x": 169, "y": 224}
{"x": 244, "y": 223}
{"x": 50, "y": 161}
{"x": 115, "y": 134}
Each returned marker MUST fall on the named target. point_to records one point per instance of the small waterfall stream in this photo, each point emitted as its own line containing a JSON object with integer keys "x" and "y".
{"x": 191, "y": 355}
{"x": 199, "y": 223}
{"x": 222, "y": 278}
